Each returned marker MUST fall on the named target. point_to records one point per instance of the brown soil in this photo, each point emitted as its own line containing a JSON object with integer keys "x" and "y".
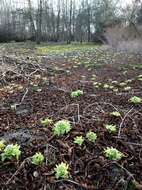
{"x": 89, "y": 169}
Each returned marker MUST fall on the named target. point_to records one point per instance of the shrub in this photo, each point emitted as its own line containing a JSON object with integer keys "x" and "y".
{"x": 76, "y": 93}
{"x": 91, "y": 136}
{"x": 113, "y": 153}
{"x": 38, "y": 159}
{"x": 62, "y": 127}
{"x": 111, "y": 128}
{"x": 11, "y": 152}
{"x": 62, "y": 170}
{"x": 79, "y": 140}
{"x": 135, "y": 100}
{"x": 46, "y": 122}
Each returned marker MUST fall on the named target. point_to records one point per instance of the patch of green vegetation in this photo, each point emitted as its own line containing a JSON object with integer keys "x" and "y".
{"x": 57, "y": 49}
{"x": 11, "y": 152}
{"x": 131, "y": 66}
{"x": 115, "y": 113}
{"x": 76, "y": 93}
{"x": 127, "y": 88}
{"x": 62, "y": 170}
{"x": 135, "y": 100}
{"x": 2, "y": 145}
{"x": 113, "y": 154}
{"x": 139, "y": 77}
{"x": 79, "y": 140}
{"x": 128, "y": 81}
{"x": 122, "y": 84}
{"x": 38, "y": 159}
{"x": 94, "y": 77}
{"x": 91, "y": 136}
{"x": 115, "y": 90}
{"x": 106, "y": 86}
{"x": 111, "y": 128}
{"x": 62, "y": 127}
{"x": 46, "y": 122}
{"x": 114, "y": 82}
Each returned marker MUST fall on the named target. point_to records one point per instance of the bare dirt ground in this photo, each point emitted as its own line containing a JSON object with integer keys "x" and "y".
{"x": 38, "y": 85}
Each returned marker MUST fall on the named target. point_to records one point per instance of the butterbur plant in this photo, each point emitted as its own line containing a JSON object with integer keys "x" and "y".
{"x": 62, "y": 127}
{"x": 11, "y": 152}
{"x": 113, "y": 154}
{"x": 122, "y": 84}
{"x": 38, "y": 159}
{"x": 2, "y": 145}
{"x": 46, "y": 122}
{"x": 106, "y": 86}
{"x": 62, "y": 170}
{"x": 111, "y": 128}
{"x": 79, "y": 140}
{"x": 115, "y": 90}
{"x": 91, "y": 136}
{"x": 115, "y": 113}
{"x": 127, "y": 88}
{"x": 76, "y": 93}
{"x": 135, "y": 100}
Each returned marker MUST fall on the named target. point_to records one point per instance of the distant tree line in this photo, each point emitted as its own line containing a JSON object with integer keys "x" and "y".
{"x": 65, "y": 20}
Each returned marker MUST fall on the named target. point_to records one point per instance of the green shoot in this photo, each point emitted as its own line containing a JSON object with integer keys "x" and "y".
{"x": 111, "y": 128}
{"x": 2, "y": 145}
{"x": 62, "y": 171}
{"x": 79, "y": 140}
{"x": 113, "y": 154}
{"x": 11, "y": 152}
{"x": 76, "y": 93}
{"x": 46, "y": 122}
{"x": 91, "y": 136}
{"x": 135, "y": 100}
{"x": 62, "y": 127}
{"x": 37, "y": 159}
{"x": 115, "y": 113}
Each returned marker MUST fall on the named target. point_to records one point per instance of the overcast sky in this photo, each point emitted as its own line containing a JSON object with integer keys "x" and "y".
{"x": 126, "y": 1}
{"x": 20, "y": 3}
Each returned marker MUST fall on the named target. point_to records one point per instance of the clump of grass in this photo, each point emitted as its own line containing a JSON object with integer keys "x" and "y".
{"x": 11, "y": 152}
{"x": 62, "y": 170}
{"x": 135, "y": 100}
{"x": 79, "y": 140}
{"x": 62, "y": 127}
{"x": 111, "y": 128}
{"x": 91, "y": 136}
{"x": 113, "y": 154}
{"x": 76, "y": 93}
{"x": 38, "y": 159}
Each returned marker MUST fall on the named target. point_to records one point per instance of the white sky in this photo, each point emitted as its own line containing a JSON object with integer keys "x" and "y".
{"x": 19, "y": 3}
{"x": 126, "y": 2}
